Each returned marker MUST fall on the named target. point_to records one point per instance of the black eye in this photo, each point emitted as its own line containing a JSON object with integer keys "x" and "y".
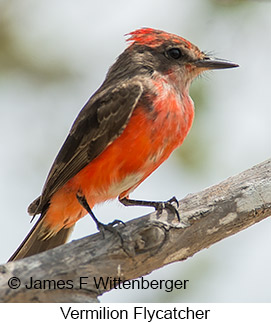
{"x": 174, "y": 53}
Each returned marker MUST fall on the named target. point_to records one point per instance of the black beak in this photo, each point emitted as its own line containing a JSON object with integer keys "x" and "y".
{"x": 214, "y": 63}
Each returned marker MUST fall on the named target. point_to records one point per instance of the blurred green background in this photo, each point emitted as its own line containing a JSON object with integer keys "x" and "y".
{"x": 54, "y": 55}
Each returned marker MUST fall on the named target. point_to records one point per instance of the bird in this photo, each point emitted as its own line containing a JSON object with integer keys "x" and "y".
{"x": 139, "y": 115}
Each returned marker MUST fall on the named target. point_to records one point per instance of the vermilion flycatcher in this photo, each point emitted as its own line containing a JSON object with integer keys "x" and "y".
{"x": 134, "y": 121}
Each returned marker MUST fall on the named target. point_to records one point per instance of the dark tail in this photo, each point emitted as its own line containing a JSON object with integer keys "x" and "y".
{"x": 33, "y": 243}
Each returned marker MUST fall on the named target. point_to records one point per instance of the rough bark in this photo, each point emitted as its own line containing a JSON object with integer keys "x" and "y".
{"x": 150, "y": 242}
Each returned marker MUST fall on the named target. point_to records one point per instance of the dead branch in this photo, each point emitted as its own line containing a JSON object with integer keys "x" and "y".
{"x": 150, "y": 242}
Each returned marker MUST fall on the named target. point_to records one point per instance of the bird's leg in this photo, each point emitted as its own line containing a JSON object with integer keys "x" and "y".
{"x": 159, "y": 206}
{"x": 100, "y": 226}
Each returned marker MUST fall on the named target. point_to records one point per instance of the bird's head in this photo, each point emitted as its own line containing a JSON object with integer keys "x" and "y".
{"x": 166, "y": 52}
{"x": 158, "y": 53}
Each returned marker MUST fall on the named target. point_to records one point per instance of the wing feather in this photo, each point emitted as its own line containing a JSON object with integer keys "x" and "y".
{"x": 101, "y": 120}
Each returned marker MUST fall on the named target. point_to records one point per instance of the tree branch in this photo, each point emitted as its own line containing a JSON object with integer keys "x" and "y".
{"x": 150, "y": 242}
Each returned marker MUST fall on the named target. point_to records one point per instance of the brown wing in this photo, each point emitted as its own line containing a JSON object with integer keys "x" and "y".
{"x": 102, "y": 119}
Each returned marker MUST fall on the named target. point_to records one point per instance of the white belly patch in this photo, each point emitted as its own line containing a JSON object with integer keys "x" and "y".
{"x": 128, "y": 182}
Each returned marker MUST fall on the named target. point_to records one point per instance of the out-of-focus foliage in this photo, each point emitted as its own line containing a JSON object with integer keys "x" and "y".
{"x": 231, "y": 3}
{"x": 16, "y": 55}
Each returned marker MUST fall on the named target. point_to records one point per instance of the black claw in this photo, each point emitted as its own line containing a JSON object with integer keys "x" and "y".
{"x": 160, "y": 206}
{"x": 116, "y": 222}
{"x": 111, "y": 228}
{"x": 174, "y": 199}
